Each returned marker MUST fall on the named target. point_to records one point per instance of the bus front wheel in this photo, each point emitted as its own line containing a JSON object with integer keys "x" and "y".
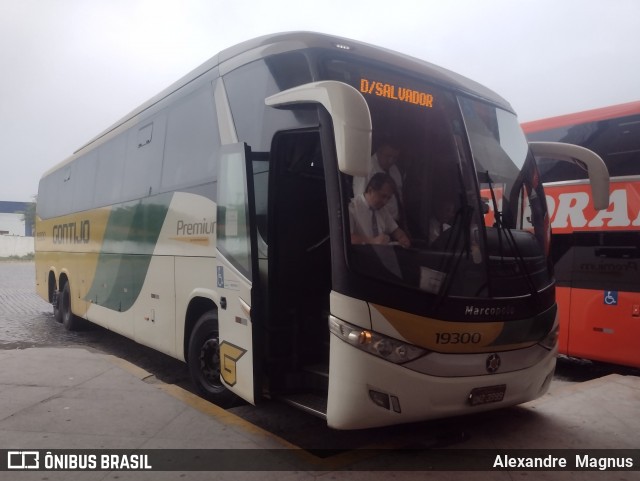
{"x": 204, "y": 362}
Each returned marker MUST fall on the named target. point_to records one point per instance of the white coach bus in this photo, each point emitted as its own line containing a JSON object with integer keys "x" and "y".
{"x": 213, "y": 224}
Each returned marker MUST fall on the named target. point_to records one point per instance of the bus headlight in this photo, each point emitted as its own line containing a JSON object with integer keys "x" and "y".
{"x": 379, "y": 345}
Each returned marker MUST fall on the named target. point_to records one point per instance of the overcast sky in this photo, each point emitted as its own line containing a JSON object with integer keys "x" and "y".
{"x": 71, "y": 68}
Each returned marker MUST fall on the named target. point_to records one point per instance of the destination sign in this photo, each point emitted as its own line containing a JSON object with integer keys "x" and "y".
{"x": 395, "y": 92}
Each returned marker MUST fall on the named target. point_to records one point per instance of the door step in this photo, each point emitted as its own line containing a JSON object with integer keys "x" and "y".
{"x": 315, "y": 378}
{"x": 308, "y": 402}
{"x": 318, "y": 369}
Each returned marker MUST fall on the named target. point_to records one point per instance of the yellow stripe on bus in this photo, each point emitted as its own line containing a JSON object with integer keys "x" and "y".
{"x": 447, "y": 336}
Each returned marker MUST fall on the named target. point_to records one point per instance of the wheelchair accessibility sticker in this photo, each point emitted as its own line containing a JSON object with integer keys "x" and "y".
{"x": 611, "y": 298}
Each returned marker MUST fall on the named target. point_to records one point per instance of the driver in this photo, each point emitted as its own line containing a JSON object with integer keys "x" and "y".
{"x": 370, "y": 221}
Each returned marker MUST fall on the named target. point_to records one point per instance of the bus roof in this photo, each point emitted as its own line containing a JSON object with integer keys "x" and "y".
{"x": 400, "y": 60}
{"x": 604, "y": 113}
{"x": 260, "y": 47}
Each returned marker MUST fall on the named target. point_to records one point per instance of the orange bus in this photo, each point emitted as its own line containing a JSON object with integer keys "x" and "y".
{"x": 596, "y": 253}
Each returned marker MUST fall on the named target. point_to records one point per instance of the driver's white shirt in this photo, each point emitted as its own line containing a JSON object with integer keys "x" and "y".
{"x": 360, "y": 183}
{"x": 360, "y": 218}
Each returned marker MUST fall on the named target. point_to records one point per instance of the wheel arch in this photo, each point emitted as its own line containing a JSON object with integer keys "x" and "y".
{"x": 63, "y": 279}
{"x": 198, "y": 305}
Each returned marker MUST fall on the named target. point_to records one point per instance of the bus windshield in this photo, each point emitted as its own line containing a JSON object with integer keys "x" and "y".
{"x": 452, "y": 201}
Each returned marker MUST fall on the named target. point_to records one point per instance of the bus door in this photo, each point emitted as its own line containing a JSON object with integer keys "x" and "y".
{"x": 237, "y": 270}
{"x": 299, "y": 266}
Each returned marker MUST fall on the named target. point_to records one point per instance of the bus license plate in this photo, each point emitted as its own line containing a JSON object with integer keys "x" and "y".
{"x": 489, "y": 394}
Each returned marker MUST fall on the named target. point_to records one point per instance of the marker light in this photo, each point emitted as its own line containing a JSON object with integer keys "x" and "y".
{"x": 380, "y": 398}
{"x": 342, "y": 46}
{"x": 384, "y": 347}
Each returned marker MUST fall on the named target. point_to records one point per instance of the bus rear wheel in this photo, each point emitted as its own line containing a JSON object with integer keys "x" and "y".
{"x": 70, "y": 321}
{"x": 204, "y": 362}
{"x": 57, "y": 313}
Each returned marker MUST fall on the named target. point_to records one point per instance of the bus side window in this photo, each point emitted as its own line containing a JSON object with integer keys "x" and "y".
{"x": 192, "y": 141}
{"x": 144, "y": 162}
{"x": 249, "y": 85}
{"x": 84, "y": 173}
{"x": 111, "y": 160}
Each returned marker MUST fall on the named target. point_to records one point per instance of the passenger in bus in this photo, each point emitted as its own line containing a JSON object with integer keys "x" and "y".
{"x": 384, "y": 160}
{"x": 370, "y": 220}
{"x": 442, "y": 220}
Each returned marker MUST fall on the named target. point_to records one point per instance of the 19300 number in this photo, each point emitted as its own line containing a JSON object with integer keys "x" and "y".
{"x": 458, "y": 337}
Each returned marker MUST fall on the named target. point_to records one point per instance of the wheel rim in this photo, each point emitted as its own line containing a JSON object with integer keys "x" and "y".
{"x": 210, "y": 364}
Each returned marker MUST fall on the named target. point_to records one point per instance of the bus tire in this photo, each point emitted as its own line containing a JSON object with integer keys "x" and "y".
{"x": 57, "y": 313}
{"x": 70, "y": 321}
{"x": 204, "y": 362}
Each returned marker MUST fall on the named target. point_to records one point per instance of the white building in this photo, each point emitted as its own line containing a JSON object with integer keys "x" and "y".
{"x": 11, "y": 224}
{"x": 12, "y": 218}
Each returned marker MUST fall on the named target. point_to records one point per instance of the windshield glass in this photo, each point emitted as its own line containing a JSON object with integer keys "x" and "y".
{"x": 516, "y": 222}
{"x": 452, "y": 205}
{"x": 416, "y": 219}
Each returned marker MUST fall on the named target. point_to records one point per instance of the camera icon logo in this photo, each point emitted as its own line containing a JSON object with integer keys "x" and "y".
{"x": 23, "y": 460}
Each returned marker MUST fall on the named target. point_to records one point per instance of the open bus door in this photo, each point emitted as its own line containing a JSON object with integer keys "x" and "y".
{"x": 237, "y": 267}
{"x": 237, "y": 274}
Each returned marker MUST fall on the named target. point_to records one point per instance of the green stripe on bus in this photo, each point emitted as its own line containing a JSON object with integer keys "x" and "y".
{"x": 134, "y": 228}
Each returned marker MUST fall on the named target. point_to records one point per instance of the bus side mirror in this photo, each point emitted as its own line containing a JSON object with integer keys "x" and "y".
{"x": 349, "y": 113}
{"x": 584, "y": 158}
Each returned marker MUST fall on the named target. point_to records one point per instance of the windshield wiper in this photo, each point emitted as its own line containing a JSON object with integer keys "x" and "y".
{"x": 508, "y": 235}
{"x": 462, "y": 225}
